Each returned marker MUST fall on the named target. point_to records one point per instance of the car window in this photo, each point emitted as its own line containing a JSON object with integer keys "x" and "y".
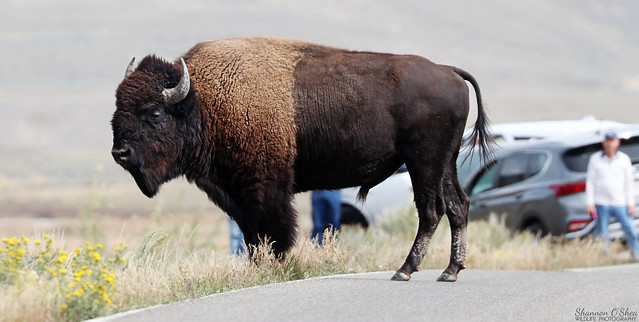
{"x": 631, "y": 148}
{"x": 536, "y": 162}
{"x": 486, "y": 180}
{"x": 467, "y": 164}
{"x": 513, "y": 170}
{"x": 577, "y": 159}
{"x": 510, "y": 170}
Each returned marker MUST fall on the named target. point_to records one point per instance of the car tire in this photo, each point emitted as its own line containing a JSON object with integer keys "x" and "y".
{"x": 352, "y": 216}
{"x": 536, "y": 228}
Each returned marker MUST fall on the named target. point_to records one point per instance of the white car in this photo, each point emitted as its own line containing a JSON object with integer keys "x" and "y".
{"x": 539, "y": 130}
{"x": 393, "y": 194}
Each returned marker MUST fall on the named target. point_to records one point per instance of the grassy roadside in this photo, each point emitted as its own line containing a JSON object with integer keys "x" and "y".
{"x": 40, "y": 281}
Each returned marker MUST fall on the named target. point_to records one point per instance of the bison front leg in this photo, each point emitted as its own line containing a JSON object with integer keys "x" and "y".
{"x": 270, "y": 217}
{"x": 428, "y": 221}
{"x": 263, "y": 213}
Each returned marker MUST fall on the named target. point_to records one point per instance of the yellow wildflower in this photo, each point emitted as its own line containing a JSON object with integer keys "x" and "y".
{"x": 95, "y": 256}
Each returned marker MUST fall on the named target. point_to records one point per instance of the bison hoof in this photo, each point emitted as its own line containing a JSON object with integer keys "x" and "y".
{"x": 445, "y": 277}
{"x": 399, "y": 276}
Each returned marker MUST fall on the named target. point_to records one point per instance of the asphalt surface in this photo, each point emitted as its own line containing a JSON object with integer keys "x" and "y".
{"x": 596, "y": 294}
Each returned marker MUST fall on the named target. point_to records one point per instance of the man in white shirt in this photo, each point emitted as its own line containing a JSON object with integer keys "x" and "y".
{"x": 610, "y": 190}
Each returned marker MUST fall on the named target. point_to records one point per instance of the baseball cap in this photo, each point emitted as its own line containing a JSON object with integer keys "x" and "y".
{"x": 611, "y": 135}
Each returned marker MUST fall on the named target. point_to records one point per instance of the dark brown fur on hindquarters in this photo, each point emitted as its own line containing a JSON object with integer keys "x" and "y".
{"x": 263, "y": 118}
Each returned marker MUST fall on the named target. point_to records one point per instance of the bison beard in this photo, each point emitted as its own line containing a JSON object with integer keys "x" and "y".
{"x": 262, "y": 118}
{"x": 148, "y": 181}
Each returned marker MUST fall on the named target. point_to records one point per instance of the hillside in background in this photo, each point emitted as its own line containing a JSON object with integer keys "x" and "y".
{"x": 534, "y": 59}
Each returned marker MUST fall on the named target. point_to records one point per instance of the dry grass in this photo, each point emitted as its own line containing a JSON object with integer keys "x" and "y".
{"x": 27, "y": 303}
{"x": 490, "y": 246}
{"x": 165, "y": 273}
{"x": 168, "y": 266}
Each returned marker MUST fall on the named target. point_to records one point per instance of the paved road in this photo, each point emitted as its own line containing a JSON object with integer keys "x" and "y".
{"x": 478, "y": 295}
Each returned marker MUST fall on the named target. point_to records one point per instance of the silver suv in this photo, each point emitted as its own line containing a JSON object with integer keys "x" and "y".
{"x": 540, "y": 186}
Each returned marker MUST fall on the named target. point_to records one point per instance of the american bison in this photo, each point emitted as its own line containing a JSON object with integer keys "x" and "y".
{"x": 251, "y": 121}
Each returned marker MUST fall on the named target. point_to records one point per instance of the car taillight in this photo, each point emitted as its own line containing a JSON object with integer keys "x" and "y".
{"x": 578, "y": 224}
{"x": 568, "y": 188}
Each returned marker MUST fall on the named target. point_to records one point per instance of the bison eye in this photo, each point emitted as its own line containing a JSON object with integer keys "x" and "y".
{"x": 156, "y": 115}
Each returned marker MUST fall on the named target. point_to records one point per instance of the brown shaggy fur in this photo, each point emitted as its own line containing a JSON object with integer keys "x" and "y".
{"x": 245, "y": 86}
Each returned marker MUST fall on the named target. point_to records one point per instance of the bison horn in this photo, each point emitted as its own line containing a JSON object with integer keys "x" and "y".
{"x": 179, "y": 92}
{"x": 130, "y": 68}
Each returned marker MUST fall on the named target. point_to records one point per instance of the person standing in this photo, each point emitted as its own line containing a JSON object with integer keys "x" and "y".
{"x": 326, "y": 212}
{"x": 237, "y": 238}
{"x": 610, "y": 190}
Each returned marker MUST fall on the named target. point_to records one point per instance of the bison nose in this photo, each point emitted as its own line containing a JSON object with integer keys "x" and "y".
{"x": 122, "y": 154}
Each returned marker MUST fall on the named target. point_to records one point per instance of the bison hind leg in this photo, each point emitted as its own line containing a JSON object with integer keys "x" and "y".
{"x": 457, "y": 211}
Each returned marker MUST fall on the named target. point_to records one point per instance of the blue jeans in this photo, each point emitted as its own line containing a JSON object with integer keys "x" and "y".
{"x": 622, "y": 216}
{"x": 326, "y": 212}
{"x": 237, "y": 248}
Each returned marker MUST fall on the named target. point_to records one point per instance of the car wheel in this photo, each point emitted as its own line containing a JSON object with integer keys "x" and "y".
{"x": 352, "y": 216}
{"x": 536, "y": 228}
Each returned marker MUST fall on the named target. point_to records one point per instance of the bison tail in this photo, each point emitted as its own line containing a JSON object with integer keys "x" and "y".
{"x": 480, "y": 136}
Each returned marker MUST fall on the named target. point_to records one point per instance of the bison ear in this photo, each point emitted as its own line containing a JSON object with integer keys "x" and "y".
{"x": 186, "y": 106}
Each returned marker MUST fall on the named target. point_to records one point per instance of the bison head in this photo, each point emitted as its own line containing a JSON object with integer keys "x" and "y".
{"x": 154, "y": 106}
